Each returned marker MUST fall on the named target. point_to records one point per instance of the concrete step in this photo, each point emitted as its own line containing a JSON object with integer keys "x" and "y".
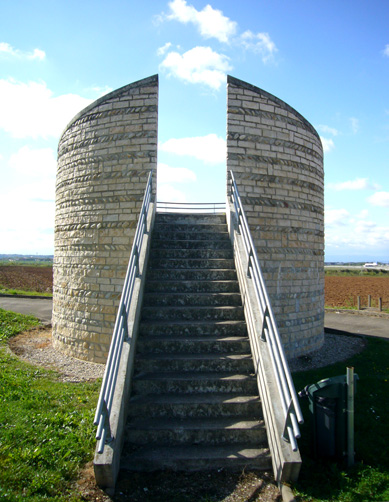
{"x": 198, "y": 328}
{"x": 195, "y": 234}
{"x": 172, "y": 286}
{"x": 194, "y": 362}
{"x": 198, "y": 457}
{"x": 211, "y": 227}
{"x": 192, "y": 299}
{"x": 190, "y": 263}
{"x": 161, "y": 243}
{"x": 203, "y": 253}
{"x": 194, "y": 383}
{"x": 211, "y": 431}
{"x": 192, "y": 313}
{"x": 173, "y": 218}
{"x": 192, "y": 275}
{"x": 206, "y": 404}
{"x": 193, "y": 345}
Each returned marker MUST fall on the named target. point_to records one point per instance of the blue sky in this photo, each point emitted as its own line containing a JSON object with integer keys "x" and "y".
{"x": 327, "y": 59}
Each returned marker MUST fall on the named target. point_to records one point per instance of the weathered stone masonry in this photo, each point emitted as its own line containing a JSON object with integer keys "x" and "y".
{"x": 104, "y": 158}
{"x": 277, "y": 159}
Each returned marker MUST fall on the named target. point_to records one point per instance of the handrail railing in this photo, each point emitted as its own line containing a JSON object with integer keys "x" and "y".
{"x": 120, "y": 332}
{"x": 191, "y": 207}
{"x": 289, "y": 400}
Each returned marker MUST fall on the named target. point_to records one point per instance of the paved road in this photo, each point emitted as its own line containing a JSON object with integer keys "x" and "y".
{"x": 349, "y": 323}
{"x": 40, "y": 308}
{"x": 358, "y": 324}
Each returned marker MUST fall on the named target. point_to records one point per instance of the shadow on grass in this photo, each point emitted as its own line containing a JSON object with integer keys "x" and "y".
{"x": 368, "y": 479}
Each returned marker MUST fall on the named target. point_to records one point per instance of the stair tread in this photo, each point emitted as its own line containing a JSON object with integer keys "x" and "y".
{"x": 193, "y": 375}
{"x": 212, "y": 423}
{"x": 199, "y": 451}
{"x": 211, "y": 397}
{"x": 194, "y": 356}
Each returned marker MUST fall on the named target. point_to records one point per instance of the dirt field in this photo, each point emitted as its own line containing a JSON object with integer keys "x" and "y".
{"x": 339, "y": 291}
{"x": 27, "y": 278}
{"x": 343, "y": 291}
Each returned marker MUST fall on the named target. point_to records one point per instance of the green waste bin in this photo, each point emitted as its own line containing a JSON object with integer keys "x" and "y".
{"x": 328, "y": 405}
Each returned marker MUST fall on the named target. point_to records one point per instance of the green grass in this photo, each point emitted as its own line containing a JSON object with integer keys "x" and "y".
{"x": 325, "y": 480}
{"x": 22, "y": 292}
{"x": 46, "y": 426}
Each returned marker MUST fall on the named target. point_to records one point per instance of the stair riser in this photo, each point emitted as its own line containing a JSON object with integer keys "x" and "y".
{"x": 193, "y": 299}
{"x": 174, "y": 264}
{"x": 196, "y": 410}
{"x": 171, "y": 329}
{"x": 192, "y": 275}
{"x": 189, "y": 244}
{"x": 187, "y": 235}
{"x": 236, "y": 463}
{"x": 204, "y": 254}
{"x": 208, "y": 437}
{"x": 192, "y": 287}
{"x": 214, "y": 228}
{"x": 197, "y": 365}
{"x": 192, "y": 314}
{"x": 172, "y": 219}
{"x": 145, "y": 387}
{"x": 166, "y": 346}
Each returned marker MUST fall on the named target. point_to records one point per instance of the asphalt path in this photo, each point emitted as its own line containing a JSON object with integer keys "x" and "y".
{"x": 336, "y": 322}
{"x": 39, "y": 307}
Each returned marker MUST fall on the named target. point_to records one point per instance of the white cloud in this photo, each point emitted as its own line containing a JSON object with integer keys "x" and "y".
{"x": 328, "y": 144}
{"x": 34, "y": 163}
{"x": 355, "y": 234}
{"x": 29, "y": 225}
{"x": 8, "y": 50}
{"x": 167, "y": 174}
{"x": 358, "y": 184}
{"x": 261, "y": 43}
{"x": 386, "y": 50}
{"x": 336, "y": 216}
{"x": 210, "y": 22}
{"x": 31, "y": 110}
{"x": 210, "y": 149}
{"x": 162, "y": 50}
{"x": 167, "y": 193}
{"x": 354, "y": 124}
{"x": 200, "y": 65}
{"x": 327, "y": 130}
{"x": 379, "y": 199}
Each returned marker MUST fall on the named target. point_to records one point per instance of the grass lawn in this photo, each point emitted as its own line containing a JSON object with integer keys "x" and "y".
{"x": 322, "y": 480}
{"x": 46, "y": 426}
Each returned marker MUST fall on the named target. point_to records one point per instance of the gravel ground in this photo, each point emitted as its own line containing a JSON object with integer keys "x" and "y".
{"x": 36, "y": 347}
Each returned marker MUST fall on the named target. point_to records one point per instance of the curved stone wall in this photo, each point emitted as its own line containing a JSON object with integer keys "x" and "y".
{"x": 104, "y": 158}
{"x": 277, "y": 160}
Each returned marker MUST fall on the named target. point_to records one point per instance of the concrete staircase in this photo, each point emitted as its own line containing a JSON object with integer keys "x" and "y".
{"x": 194, "y": 402}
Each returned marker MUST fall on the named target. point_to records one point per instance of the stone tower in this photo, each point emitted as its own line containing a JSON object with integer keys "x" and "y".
{"x": 105, "y": 155}
{"x": 277, "y": 159}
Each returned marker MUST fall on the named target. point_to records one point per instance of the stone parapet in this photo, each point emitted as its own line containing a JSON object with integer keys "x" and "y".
{"x": 277, "y": 159}
{"x": 105, "y": 155}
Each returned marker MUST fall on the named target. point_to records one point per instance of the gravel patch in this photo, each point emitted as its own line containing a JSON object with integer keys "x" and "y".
{"x": 35, "y": 346}
{"x": 335, "y": 348}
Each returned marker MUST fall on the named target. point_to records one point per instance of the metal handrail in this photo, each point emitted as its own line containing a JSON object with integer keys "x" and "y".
{"x": 191, "y": 207}
{"x": 289, "y": 400}
{"x": 120, "y": 332}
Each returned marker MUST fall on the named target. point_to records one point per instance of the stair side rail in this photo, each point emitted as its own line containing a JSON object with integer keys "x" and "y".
{"x": 272, "y": 369}
{"x": 124, "y": 334}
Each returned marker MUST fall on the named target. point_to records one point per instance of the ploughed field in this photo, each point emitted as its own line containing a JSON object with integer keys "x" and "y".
{"x": 27, "y": 278}
{"x": 342, "y": 292}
